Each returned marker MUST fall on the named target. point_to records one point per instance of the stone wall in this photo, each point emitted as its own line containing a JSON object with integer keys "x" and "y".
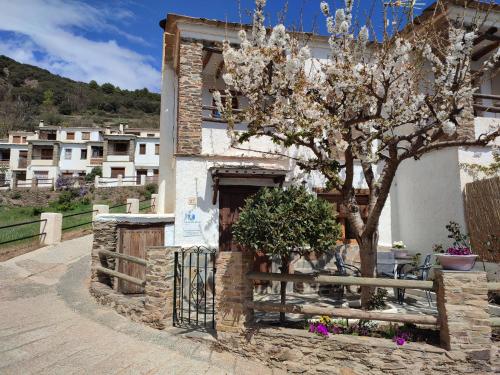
{"x": 299, "y": 351}
{"x": 154, "y": 307}
{"x": 190, "y": 97}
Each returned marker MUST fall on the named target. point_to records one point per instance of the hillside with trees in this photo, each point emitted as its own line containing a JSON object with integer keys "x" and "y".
{"x": 29, "y": 94}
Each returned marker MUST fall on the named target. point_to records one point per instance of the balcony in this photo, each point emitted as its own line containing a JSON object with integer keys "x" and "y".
{"x": 96, "y": 161}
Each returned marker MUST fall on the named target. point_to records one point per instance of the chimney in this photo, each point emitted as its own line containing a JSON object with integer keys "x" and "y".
{"x": 41, "y": 124}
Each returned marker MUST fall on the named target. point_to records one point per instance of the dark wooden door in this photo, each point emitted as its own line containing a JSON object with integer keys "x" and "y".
{"x": 134, "y": 241}
{"x": 231, "y": 200}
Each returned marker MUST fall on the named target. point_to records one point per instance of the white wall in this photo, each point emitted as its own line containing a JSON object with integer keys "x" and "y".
{"x": 94, "y": 135}
{"x": 149, "y": 159}
{"x": 168, "y": 131}
{"x": 75, "y": 163}
{"x": 129, "y": 168}
{"x": 428, "y": 196}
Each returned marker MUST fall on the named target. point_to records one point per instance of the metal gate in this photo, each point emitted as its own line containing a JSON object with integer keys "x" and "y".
{"x": 194, "y": 287}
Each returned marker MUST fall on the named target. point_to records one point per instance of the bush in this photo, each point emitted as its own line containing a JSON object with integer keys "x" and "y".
{"x": 96, "y": 171}
{"x": 15, "y": 195}
{"x": 150, "y": 189}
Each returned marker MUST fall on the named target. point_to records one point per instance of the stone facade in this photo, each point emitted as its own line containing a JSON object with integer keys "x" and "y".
{"x": 190, "y": 97}
{"x": 462, "y": 301}
{"x": 159, "y": 287}
{"x": 301, "y": 352}
{"x": 232, "y": 289}
{"x": 154, "y": 307}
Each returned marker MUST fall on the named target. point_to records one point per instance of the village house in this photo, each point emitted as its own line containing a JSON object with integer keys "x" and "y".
{"x": 38, "y": 158}
{"x": 204, "y": 180}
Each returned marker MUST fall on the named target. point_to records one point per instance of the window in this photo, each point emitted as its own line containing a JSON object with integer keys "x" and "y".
{"x": 16, "y": 139}
{"x": 51, "y": 136}
{"x": 46, "y": 153}
{"x": 23, "y": 139}
{"x": 117, "y": 171}
{"x": 85, "y": 136}
{"x": 83, "y": 154}
{"x": 70, "y": 136}
{"x": 151, "y": 135}
{"x": 67, "y": 153}
{"x": 97, "y": 152}
{"x": 157, "y": 149}
{"x": 120, "y": 148}
{"x": 142, "y": 149}
{"x": 155, "y": 172}
{"x": 234, "y": 104}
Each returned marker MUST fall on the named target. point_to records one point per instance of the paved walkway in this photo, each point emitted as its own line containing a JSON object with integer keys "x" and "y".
{"x": 50, "y": 325}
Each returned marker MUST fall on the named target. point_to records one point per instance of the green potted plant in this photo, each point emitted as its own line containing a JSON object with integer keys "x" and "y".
{"x": 458, "y": 257}
{"x": 283, "y": 222}
{"x": 398, "y": 248}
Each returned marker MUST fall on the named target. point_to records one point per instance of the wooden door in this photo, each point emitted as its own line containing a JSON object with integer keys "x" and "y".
{"x": 231, "y": 200}
{"x": 133, "y": 240}
{"x": 117, "y": 171}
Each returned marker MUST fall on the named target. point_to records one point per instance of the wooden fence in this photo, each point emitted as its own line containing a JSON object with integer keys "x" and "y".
{"x": 482, "y": 206}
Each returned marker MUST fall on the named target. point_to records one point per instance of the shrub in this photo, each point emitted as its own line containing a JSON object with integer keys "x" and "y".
{"x": 281, "y": 222}
{"x": 96, "y": 171}
{"x": 377, "y": 301}
{"x": 15, "y": 195}
{"x": 150, "y": 189}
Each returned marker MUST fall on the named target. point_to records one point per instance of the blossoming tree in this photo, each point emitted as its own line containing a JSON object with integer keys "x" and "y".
{"x": 370, "y": 104}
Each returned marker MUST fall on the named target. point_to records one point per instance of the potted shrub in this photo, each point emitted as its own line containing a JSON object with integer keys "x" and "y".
{"x": 458, "y": 257}
{"x": 398, "y": 248}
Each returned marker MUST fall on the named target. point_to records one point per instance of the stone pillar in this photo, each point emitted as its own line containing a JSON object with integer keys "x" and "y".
{"x": 96, "y": 182}
{"x": 13, "y": 180}
{"x": 462, "y": 302}
{"x": 99, "y": 209}
{"x": 119, "y": 180}
{"x": 232, "y": 290}
{"x": 190, "y": 96}
{"x": 154, "y": 203}
{"x": 159, "y": 288}
{"x": 34, "y": 182}
{"x": 131, "y": 150}
{"x": 50, "y": 230}
{"x": 105, "y": 147}
{"x": 105, "y": 238}
{"x": 55, "y": 154}
{"x": 132, "y": 206}
{"x": 30, "y": 153}
{"x": 143, "y": 179}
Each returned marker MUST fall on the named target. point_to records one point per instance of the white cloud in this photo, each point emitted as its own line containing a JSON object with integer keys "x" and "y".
{"x": 49, "y": 33}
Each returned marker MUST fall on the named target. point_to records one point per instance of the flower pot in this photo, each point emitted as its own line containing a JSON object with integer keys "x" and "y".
{"x": 400, "y": 253}
{"x": 457, "y": 262}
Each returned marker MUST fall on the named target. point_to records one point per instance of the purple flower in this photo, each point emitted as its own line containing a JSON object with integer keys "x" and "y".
{"x": 312, "y": 328}
{"x": 458, "y": 250}
{"x": 321, "y": 329}
{"x": 400, "y": 341}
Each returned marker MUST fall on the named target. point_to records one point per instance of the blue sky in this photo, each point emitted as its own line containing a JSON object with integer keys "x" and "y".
{"x": 119, "y": 41}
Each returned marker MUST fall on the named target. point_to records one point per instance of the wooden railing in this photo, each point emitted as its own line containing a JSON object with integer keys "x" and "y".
{"x": 121, "y": 275}
{"x": 342, "y": 312}
{"x": 212, "y": 117}
{"x": 96, "y": 161}
{"x": 481, "y": 104}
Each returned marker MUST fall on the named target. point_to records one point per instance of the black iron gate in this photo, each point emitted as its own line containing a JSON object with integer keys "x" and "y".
{"x": 194, "y": 287}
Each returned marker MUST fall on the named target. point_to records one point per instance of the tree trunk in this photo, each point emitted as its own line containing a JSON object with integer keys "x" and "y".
{"x": 368, "y": 257}
{"x": 284, "y": 270}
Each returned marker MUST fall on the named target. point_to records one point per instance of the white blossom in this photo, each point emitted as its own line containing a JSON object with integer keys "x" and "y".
{"x": 325, "y": 8}
{"x": 449, "y": 128}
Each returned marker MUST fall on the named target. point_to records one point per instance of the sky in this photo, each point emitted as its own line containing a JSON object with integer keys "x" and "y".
{"x": 119, "y": 41}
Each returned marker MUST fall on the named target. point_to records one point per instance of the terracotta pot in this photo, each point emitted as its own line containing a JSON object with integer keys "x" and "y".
{"x": 457, "y": 262}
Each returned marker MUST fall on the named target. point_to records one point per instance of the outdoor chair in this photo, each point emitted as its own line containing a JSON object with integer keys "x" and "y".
{"x": 419, "y": 273}
{"x": 386, "y": 264}
{"x": 345, "y": 269}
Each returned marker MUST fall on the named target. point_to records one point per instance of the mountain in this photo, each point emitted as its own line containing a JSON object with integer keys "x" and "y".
{"x": 29, "y": 94}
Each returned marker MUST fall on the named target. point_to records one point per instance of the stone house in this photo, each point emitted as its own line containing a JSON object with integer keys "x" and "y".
{"x": 203, "y": 180}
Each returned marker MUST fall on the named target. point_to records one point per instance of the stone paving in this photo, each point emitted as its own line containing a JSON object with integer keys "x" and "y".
{"x": 50, "y": 325}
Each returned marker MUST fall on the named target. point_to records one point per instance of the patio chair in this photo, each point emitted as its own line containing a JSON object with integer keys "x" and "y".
{"x": 419, "y": 273}
{"x": 386, "y": 265}
{"x": 343, "y": 268}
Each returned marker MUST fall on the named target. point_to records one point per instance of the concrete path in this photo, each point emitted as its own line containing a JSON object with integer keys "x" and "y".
{"x": 49, "y": 324}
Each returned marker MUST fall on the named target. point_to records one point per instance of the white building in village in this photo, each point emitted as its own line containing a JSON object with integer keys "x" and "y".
{"x": 38, "y": 158}
{"x": 203, "y": 180}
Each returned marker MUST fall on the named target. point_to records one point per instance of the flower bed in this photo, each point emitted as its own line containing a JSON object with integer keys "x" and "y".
{"x": 399, "y": 334}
